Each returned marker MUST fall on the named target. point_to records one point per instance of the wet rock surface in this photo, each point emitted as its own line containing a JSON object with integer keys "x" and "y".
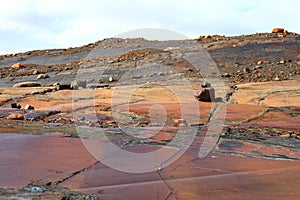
{"x": 141, "y": 95}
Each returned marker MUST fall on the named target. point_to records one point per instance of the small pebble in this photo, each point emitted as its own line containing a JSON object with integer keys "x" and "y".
{"x": 282, "y": 62}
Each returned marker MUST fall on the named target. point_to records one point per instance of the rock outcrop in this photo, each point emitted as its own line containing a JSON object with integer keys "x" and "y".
{"x": 27, "y": 84}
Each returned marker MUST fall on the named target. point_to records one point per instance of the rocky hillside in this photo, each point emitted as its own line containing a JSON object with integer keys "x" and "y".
{"x": 141, "y": 94}
{"x": 247, "y": 58}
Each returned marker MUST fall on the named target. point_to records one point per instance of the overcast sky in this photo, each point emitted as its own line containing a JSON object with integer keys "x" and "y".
{"x": 40, "y": 24}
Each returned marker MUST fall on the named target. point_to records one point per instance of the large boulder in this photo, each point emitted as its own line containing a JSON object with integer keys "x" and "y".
{"x": 278, "y": 30}
{"x": 205, "y": 94}
{"x": 27, "y": 84}
{"x": 17, "y": 66}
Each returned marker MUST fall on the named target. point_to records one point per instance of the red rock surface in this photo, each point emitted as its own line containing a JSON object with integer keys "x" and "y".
{"x": 189, "y": 178}
{"x": 277, "y": 120}
{"x": 25, "y": 158}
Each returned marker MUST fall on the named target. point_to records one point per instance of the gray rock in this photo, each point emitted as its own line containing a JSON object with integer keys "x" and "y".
{"x": 93, "y": 86}
{"x": 75, "y": 85}
{"x": 34, "y": 188}
{"x": 39, "y": 114}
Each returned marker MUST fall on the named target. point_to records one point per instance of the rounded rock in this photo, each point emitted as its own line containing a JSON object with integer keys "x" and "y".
{"x": 16, "y": 116}
{"x": 42, "y": 76}
{"x": 111, "y": 79}
{"x": 278, "y": 30}
{"x": 17, "y": 66}
{"x": 27, "y": 84}
{"x": 28, "y": 107}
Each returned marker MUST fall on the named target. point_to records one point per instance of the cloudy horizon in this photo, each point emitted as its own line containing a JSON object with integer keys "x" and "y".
{"x": 32, "y": 24}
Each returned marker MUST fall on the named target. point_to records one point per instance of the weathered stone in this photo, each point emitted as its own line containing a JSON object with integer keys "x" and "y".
{"x": 246, "y": 70}
{"x": 59, "y": 86}
{"x": 111, "y": 79}
{"x": 27, "y": 84}
{"x": 42, "y": 76}
{"x": 35, "y": 92}
{"x": 75, "y": 85}
{"x": 93, "y": 86}
{"x": 226, "y": 75}
{"x": 35, "y": 72}
{"x": 28, "y": 107}
{"x": 55, "y": 84}
{"x": 282, "y": 61}
{"x": 15, "y": 105}
{"x": 17, "y": 116}
{"x": 178, "y": 122}
{"x": 286, "y": 32}
{"x": 17, "y": 66}
{"x": 258, "y": 67}
{"x": 205, "y": 94}
{"x": 39, "y": 114}
{"x": 278, "y": 30}
{"x": 205, "y": 84}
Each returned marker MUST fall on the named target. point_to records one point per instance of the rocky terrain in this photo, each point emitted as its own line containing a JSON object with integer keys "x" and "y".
{"x": 53, "y": 101}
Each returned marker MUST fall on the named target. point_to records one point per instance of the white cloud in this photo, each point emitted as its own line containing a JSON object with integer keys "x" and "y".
{"x": 39, "y": 24}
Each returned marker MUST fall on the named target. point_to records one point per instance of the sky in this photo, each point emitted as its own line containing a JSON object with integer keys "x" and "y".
{"x": 43, "y": 24}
